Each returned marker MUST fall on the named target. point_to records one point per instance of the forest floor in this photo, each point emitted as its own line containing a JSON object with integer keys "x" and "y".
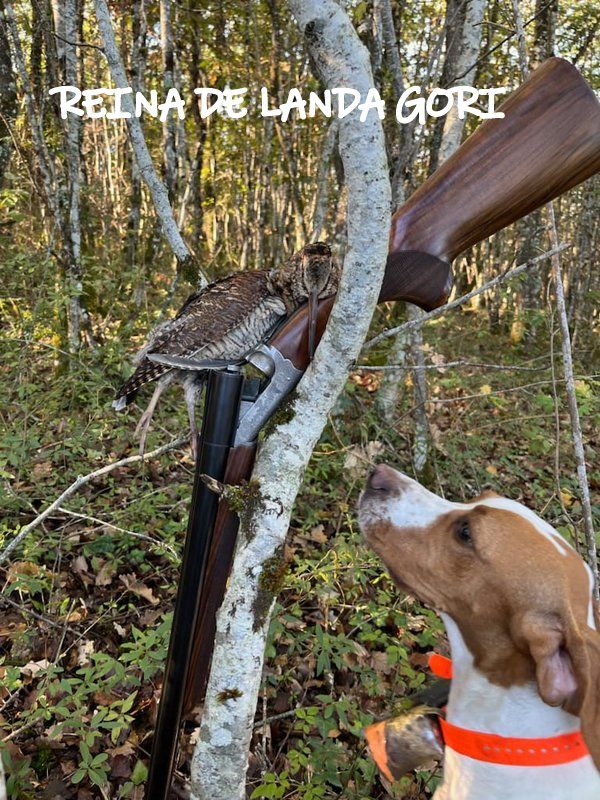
{"x": 85, "y": 603}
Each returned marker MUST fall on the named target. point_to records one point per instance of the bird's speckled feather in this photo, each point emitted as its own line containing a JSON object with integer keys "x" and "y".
{"x": 225, "y": 320}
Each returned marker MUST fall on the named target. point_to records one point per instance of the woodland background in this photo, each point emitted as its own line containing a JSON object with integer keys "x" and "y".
{"x": 477, "y": 398}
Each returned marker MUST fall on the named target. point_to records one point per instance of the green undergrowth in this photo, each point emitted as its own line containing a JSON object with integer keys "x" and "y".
{"x": 86, "y": 598}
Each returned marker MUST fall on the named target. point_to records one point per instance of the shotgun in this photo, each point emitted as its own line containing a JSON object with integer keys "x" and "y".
{"x": 547, "y": 142}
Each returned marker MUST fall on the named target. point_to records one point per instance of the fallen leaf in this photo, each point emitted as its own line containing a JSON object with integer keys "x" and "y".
{"x": 353, "y": 459}
{"x": 22, "y": 568}
{"x": 125, "y": 749}
{"x": 566, "y": 497}
{"x": 374, "y": 449}
{"x": 380, "y": 663}
{"x": 42, "y": 469}
{"x": 491, "y": 469}
{"x": 140, "y": 589}
{"x": 105, "y": 574}
{"x": 439, "y": 360}
{"x": 80, "y": 565}
{"x": 120, "y": 767}
{"x": 148, "y": 617}
{"x": 84, "y": 651}
{"x": 74, "y": 616}
{"x": 33, "y": 667}
{"x": 317, "y": 534}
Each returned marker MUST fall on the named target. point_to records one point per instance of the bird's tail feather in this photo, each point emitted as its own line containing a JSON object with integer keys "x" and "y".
{"x": 147, "y": 372}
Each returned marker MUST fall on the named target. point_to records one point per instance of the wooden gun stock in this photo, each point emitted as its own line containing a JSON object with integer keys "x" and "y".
{"x": 547, "y": 142}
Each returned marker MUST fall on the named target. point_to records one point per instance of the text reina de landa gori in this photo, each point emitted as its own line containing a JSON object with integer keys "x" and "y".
{"x": 124, "y": 103}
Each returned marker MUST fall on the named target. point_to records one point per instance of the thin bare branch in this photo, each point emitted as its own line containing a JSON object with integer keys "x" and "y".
{"x": 438, "y": 312}
{"x": 82, "y": 480}
{"x": 586, "y": 505}
{"x": 105, "y": 524}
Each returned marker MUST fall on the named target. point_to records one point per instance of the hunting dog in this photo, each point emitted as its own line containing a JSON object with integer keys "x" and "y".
{"x": 523, "y": 716}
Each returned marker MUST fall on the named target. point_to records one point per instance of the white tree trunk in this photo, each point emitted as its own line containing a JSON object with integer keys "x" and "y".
{"x": 59, "y": 17}
{"x": 45, "y": 161}
{"x": 169, "y": 125}
{"x": 8, "y": 100}
{"x": 465, "y": 73}
{"x": 322, "y": 192}
{"x": 220, "y": 760}
{"x": 156, "y": 187}
{"x": 73, "y": 128}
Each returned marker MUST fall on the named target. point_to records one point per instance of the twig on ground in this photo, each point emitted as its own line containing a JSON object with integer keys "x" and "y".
{"x": 438, "y": 312}
{"x": 78, "y": 483}
{"x": 105, "y": 524}
{"x": 448, "y": 364}
{"x": 29, "y": 611}
{"x": 267, "y": 720}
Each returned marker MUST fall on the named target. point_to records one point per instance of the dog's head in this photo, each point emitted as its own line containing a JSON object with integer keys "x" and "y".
{"x": 519, "y": 593}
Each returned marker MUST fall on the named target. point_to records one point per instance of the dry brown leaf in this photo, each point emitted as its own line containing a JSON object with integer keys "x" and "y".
{"x": 74, "y": 616}
{"x": 105, "y": 574}
{"x": 80, "y": 565}
{"x": 125, "y": 749}
{"x": 10, "y": 628}
{"x": 42, "y": 469}
{"x": 33, "y": 667}
{"x": 374, "y": 449}
{"x": 380, "y": 663}
{"x": 353, "y": 459}
{"x": 317, "y": 534}
{"x": 120, "y": 767}
{"x": 84, "y": 651}
{"x": 148, "y": 617}
{"x": 134, "y": 585}
{"x": 22, "y": 568}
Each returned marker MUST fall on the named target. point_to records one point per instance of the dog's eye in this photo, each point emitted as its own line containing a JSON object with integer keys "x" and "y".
{"x": 463, "y": 533}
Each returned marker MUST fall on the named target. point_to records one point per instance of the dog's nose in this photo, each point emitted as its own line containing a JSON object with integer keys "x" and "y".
{"x": 382, "y": 479}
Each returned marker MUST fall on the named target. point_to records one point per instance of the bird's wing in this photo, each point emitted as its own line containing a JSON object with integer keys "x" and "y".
{"x": 207, "y": 317}
{"x": 225, "y": 319}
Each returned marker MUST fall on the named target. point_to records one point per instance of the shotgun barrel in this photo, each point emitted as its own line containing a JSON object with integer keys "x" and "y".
{"x": 215, "y": 441}
{"x": 239, "y": 468}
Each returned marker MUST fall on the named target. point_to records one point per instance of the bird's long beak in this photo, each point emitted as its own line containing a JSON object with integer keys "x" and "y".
{"x": 313, "y": 305}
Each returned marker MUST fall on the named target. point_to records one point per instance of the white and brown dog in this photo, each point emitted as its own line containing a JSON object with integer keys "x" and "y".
{"x": 524, "y": 708}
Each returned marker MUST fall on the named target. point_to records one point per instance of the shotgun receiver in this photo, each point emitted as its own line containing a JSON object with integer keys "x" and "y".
{"x": 547, "y": 142}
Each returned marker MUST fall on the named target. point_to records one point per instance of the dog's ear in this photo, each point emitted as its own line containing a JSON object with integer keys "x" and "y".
{"x": 584, "y": 650}
{"x": 567, "y": 669}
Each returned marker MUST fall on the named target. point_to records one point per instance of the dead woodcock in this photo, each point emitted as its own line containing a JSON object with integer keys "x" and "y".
{"x": 225, "y": 321}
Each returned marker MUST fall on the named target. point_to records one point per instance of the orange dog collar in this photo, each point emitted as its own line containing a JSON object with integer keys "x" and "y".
{"x": 440, "y": 665}
{"x": 513, "y": 751}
